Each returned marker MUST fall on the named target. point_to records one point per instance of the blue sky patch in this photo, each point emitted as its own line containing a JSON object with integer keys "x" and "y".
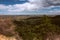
{"x": 10, "y": 2}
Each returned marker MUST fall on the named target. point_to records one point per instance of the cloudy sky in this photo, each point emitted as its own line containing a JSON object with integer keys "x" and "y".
{"x": 29, "y": 7}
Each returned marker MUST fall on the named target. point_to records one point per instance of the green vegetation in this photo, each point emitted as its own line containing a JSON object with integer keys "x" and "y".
{"x": 36, "y": 28}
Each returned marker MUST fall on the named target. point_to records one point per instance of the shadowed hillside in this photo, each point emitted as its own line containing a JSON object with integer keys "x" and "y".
{"x": 38, "y": 28}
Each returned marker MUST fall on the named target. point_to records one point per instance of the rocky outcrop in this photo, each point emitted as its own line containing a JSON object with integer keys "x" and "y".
{"x": 7, "y": 30}
{"x": 2, "y": 37}
{"x": 53, "y": 37}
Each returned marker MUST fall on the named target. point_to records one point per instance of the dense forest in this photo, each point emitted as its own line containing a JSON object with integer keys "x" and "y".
{"x": 38, "y": 28}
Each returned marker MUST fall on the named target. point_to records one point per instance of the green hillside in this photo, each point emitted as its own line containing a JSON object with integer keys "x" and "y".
{"x": 38, "y": 28}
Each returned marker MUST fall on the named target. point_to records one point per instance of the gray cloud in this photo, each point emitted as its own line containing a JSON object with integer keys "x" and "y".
{"x": 45, "y": 3}
{"x": 53, "y": 2}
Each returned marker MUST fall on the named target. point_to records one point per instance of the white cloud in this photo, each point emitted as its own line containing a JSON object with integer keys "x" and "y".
{"x": 40, "y": 3}
{"x": 28, "y": 6}
{"x": 2, "y": 6}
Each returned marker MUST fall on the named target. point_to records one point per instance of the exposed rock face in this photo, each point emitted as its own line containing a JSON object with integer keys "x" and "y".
{"x": 6, "y": 26}
{"x": 2, "y": 37}
{"x": 7, "y": 29}
{"x": 55, "y": 37}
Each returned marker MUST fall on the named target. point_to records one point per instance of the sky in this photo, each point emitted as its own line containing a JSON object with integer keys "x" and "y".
{"x": 29, "y": 7}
